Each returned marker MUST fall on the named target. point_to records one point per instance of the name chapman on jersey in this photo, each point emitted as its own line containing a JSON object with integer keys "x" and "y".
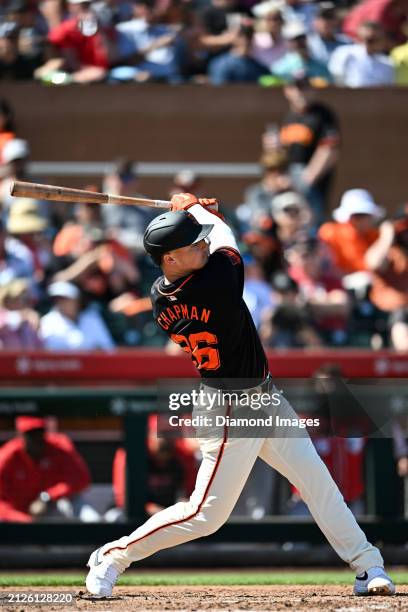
{"x": 225, "y": 420}
{"x": 182, "y": 311}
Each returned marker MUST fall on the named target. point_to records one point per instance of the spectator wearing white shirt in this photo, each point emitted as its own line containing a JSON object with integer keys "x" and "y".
{"x": 363, "y": 64}
{"x": 258, "y": 294}
{"x": 67, "y": 328}
{"x": 149, "y": 51}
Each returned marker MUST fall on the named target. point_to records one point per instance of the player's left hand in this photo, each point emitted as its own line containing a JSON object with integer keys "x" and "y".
{"x": 211, "y": 204}
{"x": 183, "y": 201}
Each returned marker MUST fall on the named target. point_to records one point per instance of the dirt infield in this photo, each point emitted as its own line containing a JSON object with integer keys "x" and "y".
{"x": 194, "y": 598}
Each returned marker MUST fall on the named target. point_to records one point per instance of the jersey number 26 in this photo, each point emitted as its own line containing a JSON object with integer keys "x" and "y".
{"x": 201, "y": 347}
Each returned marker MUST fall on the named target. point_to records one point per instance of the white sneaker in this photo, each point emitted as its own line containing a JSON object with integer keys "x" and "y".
{"x": 102, "y": 575}
{"x": 374, "y": 582}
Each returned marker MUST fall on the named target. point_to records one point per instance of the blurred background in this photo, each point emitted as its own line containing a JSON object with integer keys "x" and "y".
{"x": 294, "y": 115}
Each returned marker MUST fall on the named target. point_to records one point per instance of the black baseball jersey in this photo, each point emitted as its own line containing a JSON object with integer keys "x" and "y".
{"x": 302, "y": 133}
{"x": 206, "y": 315}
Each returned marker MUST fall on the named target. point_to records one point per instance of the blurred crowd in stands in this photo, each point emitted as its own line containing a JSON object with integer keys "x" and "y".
{"x": 77, "y": 278}
{"x": 352, "y": 44}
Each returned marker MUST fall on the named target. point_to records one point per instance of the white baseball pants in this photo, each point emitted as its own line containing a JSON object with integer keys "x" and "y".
{"x": 225, "y": 467}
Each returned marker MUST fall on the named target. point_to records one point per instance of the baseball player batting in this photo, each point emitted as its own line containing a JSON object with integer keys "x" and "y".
{"x": 202, "y": 269}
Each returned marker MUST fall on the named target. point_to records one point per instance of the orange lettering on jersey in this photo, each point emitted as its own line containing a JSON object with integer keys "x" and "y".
{"x": 296, "y": 133}
{"x": 177, "y": 310}
{"x": 163, "y": 316}
{"x": 194, "y": 313}
{"x": 171, "y": 314}
{"x": 162, "y": 325}
{"x": 184, "y": 311}
{"x": 205, "y": 315}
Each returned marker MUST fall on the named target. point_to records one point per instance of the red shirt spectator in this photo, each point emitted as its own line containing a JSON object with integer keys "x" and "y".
{"x": 57, "y": 469}
{"x": 89, "y": 50}
{"x": 391, "y": 14}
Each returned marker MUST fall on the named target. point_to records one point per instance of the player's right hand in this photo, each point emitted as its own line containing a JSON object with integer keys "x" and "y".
{"x": 183, "y": 201}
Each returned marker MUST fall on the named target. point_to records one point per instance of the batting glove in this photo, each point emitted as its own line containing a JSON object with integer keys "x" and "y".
{"x": 211, "y": 204}
{"x": 183, "y": 201}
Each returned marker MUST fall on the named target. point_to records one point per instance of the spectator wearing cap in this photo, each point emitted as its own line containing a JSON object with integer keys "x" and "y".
{"x": 27, "y": 224}
{"x": 15, "y": 155}
{"x": 37, "y": 470}
{"x": 387, "y": 258}
{"x": 292, "y": 214}
{"x": 258, "y": 197}
{"x": 237, "y": 65}
{"x": 353, "y": 232}
{"x": 185, "y": 181}
{"x": 298, "y": 59}
{"x": 325, "y": 37}
{"x": 127, "y": 223}
{"x": 288, "y": 221}
{"x": 68, "y": 328}
{"x": 148, "y": 50}
{"x": 363, "y": 64}
{"x": 268, "y": 43}
{"x": 83, "y": 47}
{"x": 310, "y": 134}
{"x": 392, "y": 15}
{"x": 18, "y": 322}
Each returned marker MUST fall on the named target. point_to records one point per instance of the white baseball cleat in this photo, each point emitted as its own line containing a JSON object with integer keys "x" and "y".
{"x": 374, "y": 582}
{"x": 102, "y": 575}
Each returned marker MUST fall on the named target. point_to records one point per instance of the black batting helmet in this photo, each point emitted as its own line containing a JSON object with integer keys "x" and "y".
{"x": 173, "y": 230}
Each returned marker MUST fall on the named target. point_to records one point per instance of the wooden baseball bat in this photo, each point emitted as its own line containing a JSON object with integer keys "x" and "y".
{"x": 66, "y": 194}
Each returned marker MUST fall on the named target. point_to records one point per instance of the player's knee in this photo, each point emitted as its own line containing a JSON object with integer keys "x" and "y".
{"x": 210, "y": 523}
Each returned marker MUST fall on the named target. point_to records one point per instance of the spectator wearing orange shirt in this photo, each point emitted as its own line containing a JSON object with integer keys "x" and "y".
{"x": 73, "y": 233}
{"x": 388, "y": 260}
{"x": 101, "y": 266}
{"x": 354, "y": 230}
{"x": 38, "y": 470}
